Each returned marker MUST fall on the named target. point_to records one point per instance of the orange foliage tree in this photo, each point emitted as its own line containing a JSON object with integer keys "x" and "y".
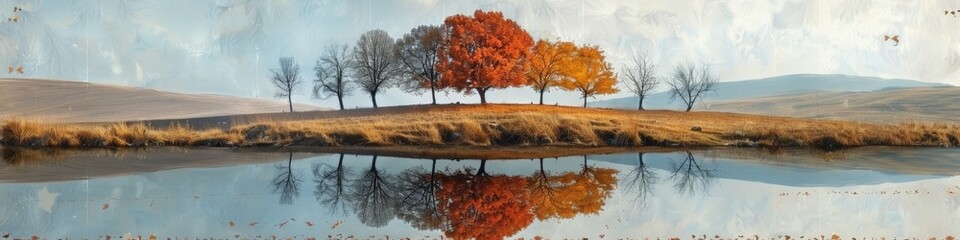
{"x": 589, "y": 73}
{"x": 484, "y": 51}
{"x": 480, "y": 206}
{"x": 546, "y": 62}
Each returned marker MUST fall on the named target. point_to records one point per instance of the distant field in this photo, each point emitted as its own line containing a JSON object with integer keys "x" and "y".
{"x": 71, "y": 102}
{"x": 929, "y": 104}
{"x": 491, "y": 125}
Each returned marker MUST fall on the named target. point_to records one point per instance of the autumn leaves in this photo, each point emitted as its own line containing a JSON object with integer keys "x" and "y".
{"x": 467, "y": 54}
{"x": 488, "y": 51}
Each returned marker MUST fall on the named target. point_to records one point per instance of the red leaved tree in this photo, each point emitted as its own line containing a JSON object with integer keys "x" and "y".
{"x": 484, "y": 51}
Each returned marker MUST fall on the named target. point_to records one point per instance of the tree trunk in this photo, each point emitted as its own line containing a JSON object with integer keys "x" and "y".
{"x": 482, "y": 170}
{"x": 689, "y": 106}
{"x": 373, "y": 165}
{"x": 340, "y": 98}
{"x": 290, "y": 101}
{"x": 541, "y": 96}
{"x": 483, "y": 95}
{"x": 373, "y": 96}
{"x": 584, "y": 100}
{"x": 640, "y": 105}
{"x": 433, "y": 93}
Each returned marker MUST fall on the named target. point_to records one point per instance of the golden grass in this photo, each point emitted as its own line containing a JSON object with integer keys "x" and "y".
{"x": 496, "y": 125}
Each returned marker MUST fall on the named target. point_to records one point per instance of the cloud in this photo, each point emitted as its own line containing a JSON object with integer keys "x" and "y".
{"x": 227, "y": 47}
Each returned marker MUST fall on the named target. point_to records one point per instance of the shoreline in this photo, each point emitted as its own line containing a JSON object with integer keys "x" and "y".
{"x": 492, "y": 125}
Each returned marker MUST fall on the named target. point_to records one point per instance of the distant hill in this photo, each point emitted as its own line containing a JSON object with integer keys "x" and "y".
{"x": 65, "y": 101}
{"x": 891, "y": 105}
{"x": 801, "y": 83}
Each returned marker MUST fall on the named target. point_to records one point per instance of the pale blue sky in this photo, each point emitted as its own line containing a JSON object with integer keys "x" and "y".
{"x": 227, "y": 47}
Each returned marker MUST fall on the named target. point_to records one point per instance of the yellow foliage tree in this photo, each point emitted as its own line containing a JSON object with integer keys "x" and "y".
{"x": 547, "y": 60}
{"x": 589, "y": 73}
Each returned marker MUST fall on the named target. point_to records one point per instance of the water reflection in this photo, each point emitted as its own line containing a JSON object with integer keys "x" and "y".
{"x": 374, "y": 196}
{"x": 331, "y": 186}
{"x": 691, "y": 176}
{"x": 640, "y": 181}
{"x": 621, "y": 195}
{"x": 286, "y": 183}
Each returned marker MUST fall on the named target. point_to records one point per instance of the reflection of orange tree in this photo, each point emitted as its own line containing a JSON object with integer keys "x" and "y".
{"x": 569, "y": 194}
{"x": 483, "y": 206}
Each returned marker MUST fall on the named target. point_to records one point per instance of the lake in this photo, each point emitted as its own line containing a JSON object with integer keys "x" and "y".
{"x": 183, "y": 193}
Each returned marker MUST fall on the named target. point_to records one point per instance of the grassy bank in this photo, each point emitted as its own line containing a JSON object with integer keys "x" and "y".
{"x": 489, "y": 125}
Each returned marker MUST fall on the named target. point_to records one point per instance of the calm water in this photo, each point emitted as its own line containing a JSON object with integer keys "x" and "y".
{"x": 875, "y": 192}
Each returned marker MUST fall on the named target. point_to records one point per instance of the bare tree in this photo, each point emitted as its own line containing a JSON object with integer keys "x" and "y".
{"x": 331, "y": 73}
{"x": 691, "y": 176}
{"x": 417, "y": 51}
{"x": 331, "y": 186}
{"x": 641, "y": 180}
{"x": 418, "y": 203}
{"x": 286, "y": 183}
{"x": 690, "y": 83}
{"x": 375, "y": 64}
{"x": 286, "y": 79}
{"x": 374, "y": 197}
{"x": 641, "y": 77}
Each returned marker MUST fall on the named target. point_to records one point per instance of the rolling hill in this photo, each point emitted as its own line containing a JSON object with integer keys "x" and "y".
{"x": 788, "y": 84}
{"x": 927, "y": 104}
{"x": 71, "y": 102}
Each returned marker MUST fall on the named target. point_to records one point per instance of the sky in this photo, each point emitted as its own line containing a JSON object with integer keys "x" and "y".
{"x": 228, "y": 46}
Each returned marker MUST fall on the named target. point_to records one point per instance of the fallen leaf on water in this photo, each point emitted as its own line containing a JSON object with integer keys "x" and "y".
{"x": 106, "y": 205}
{"x": 253, "y": 224}
{"x": 335, "y": 225}
{"x": 232, "y": 224}
{"x": 283, "y": 224}
{"x": 34, "y": 237}
{"x": 6, "y": 235}
{"x": 309, "y": 224}
{"x": 153, "y": 237}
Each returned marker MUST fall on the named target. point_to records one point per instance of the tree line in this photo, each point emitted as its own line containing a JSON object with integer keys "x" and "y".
{"x": 474, "y": 54}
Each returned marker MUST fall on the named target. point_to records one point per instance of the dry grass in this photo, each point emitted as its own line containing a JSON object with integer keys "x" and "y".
{"x": 496, "y": 125}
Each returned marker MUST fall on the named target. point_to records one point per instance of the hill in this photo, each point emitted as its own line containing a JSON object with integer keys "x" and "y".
{"x": 929, "y": 104}
{"x": 71, "y": 102}
{"x": 772, "y": 86}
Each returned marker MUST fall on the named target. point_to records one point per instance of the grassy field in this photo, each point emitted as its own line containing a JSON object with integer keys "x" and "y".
{"x": 484, "y": 125}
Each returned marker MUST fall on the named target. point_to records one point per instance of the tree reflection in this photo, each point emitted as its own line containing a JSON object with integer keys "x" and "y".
{"x": 331, "y": 185}
{"x": 640, "y": 180}
{"x": 691, "y": 176}
{"x": 545, "y": 194}
{"x": 374, "y": 197}
{"x": 483, "y": 206}
{"x": 286, "y": 183}
{"x": 592, "y": 187}
{"x": 418, "y": 206}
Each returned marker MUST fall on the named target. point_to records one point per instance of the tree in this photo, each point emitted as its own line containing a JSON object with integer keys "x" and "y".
{"x": 286, "y": 183}
{"x": 546, "y": 62}
{"x": 641, "y": 77}
{"x": 418, "y": 204}
{"x": 690, "y": 83}
{"x": 331, "y": 186}
{"x": 374, "y": 64}
{"x": 484, "y": 51}
{"x": 331, "y": 73}
{"x": 374, "y": 198}
{"x": 589, "y": 73}
{"x": 286, "y": 79}
{"x": 592, "y": 187}
{"x": 480, "y": 206}
{"x": 418, "y": 52}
